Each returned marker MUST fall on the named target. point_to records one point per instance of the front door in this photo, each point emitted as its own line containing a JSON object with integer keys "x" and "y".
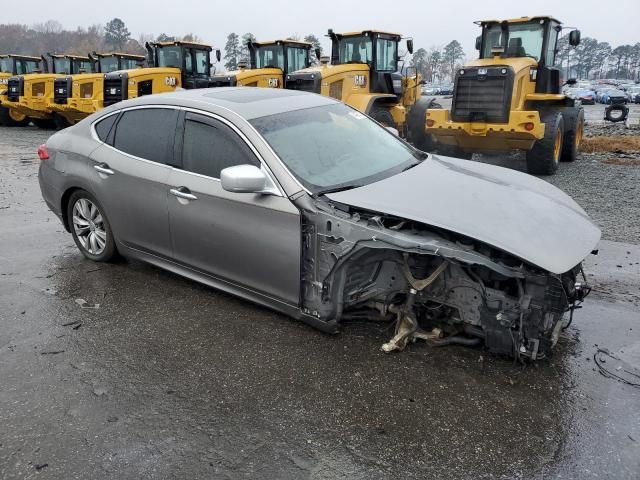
{"x": 250, "y": 240}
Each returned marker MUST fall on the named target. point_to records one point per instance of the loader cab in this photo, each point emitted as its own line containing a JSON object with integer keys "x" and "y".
{"x": 378, "y": 50}
{"x": 113, "y": 62}
{"x": 527, "y": 37}
{"x": 193, "y": 60}
{"x": 71, "y": 64}
{"x": 19, "y": 65}
{"x": 285, "y": 55}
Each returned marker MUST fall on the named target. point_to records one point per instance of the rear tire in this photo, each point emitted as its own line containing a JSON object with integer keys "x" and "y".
{"x": 90, "y": 227}
{"x": 12, "y": 119}
{"x": 60, "y": 122}
{"x": 574, "y": 131}
{"x": 544, "y": 157}
{"x": 44, "y": 123}
{"x": 383, "y": 116}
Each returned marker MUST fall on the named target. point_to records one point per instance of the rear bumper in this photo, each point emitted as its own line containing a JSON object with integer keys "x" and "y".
{"x": 76, "y": 109}
{"x": 481, "y": 136}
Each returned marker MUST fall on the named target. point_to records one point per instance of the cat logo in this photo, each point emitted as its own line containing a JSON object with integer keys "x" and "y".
{"x": 170, "y": 81}
{"x": 359, "y": 80}
{"x": 273, "y": 83}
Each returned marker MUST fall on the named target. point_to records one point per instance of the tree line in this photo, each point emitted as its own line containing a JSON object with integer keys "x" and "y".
{"x": 438, "y": 63}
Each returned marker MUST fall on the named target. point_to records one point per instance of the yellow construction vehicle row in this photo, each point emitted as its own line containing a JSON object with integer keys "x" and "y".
{"x": 510, "y": 98}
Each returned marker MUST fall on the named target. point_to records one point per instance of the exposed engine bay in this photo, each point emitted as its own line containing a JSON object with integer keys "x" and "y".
{"x": 436, "y": 285}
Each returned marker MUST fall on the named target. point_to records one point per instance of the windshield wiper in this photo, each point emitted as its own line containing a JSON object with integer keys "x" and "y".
{"x": 339, "y": 188}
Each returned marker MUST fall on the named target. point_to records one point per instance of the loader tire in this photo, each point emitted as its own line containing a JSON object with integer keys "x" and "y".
{"x": 60, "y": 122}
{"x": 11, "y": 119}
{"x": 44, "y": 123}
{"x": 383, "y": 116}
{"x": 544, "y": 157}
{"x": 416, "y": 123}
{"x": 574, "y": 131}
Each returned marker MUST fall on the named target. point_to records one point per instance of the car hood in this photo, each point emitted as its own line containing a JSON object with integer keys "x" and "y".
{"x": 510, "y": 210}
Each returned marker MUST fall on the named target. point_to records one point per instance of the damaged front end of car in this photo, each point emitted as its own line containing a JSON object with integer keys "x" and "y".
{"x": 438, "y": 286}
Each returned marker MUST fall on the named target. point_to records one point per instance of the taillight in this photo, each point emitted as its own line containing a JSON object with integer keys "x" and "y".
{"x": 430, "y": 123}
{"x": 529, "y": 126}
{"x": 43, "y": 153}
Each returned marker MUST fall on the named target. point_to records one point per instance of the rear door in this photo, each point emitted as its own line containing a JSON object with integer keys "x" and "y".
{"x": 249, "y": 240}
{"x": 131, "y": 170}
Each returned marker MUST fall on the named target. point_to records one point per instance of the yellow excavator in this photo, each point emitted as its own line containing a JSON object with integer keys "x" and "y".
{"x": 269, "y": 62}
{"x": 511, "y": 97}
{"x": 78, "y": 96}
{"x": 30, "y": 95}
{"x": 365, "y": 74}
{"x": 170, "y": 65}
{"x": 10, "y": 66}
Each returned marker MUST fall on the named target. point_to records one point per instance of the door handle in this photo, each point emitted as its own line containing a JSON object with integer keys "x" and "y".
{"x": 183, "y": 192}
{"x": 104, "y": 168}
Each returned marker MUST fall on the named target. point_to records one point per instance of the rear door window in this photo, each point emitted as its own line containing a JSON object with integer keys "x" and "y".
{"x": 209, "y": 146}
{"x": 103, "y": 127}
{"x": 147, "y": 133}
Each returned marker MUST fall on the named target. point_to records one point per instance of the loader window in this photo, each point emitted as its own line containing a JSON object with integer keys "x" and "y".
{"x": 5, "y": 65}
{"x": 170, "y": 57}
{"x": 108, "y": 64}
{"x": 356, "y": 50}
{"x": 62, "y": 65}
{"x": 296, "y": 59}
{"x": 202, "y": 62}
{"x": 129, "y": 63}
{"x": 271, "y": 56}
{"x": 520, "y": 40}
{"x": 386, "y": 55}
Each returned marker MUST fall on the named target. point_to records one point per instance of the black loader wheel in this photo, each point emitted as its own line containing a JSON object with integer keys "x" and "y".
{"x": 544, "y": 157}
{"x": 416, "y": 123}
{"x": 60, "y": 122}
{"x": 383, "y": 116}
{"x": 44, "y": 123}
{"x": 574, "y": 131}
{"x": 616, "y": 117}
{"x": 9, "y": 118}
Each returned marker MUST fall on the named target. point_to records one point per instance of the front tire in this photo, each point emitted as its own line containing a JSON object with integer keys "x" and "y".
{"x": 90, "y": 227}
{"x": 44, "y": 123}
{"x": 544, "y": 157}
{"x": 60, "y": 122}
{"x": 11, "y": 118}
{"x": 384, "y": 117}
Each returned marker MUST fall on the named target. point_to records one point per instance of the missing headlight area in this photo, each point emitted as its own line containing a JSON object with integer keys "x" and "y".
{"x": 437, "y": 286}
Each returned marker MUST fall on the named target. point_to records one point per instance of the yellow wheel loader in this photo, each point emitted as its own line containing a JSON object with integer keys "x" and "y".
{"x": 364, "y": 73}
{"x": 10, "y": 66}
{"x": 171, "y": 65}
{"x": 78, "y": 96}
{"x": 511, "y": 97}
{"x": 30, "y": 95}
{"x": 270, "y": 61}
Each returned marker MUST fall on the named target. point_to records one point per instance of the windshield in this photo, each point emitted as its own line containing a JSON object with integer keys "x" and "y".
{"x": 27, "y": 66}
{"x": 170, "y": 57}
{"x": 521, "y": 40}
{"x": 108, "y": 64}
{"x": 296, "y": 59}
{"x": 355, "y": 49}
{"x": 82, "y": 66}
{"x": 5, "y": 65}
{"x": 270, "y": 56}
{"x": 334, "y": 146}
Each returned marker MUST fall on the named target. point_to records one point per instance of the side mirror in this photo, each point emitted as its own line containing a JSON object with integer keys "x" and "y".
{"x": 243, "y": 179}
{"x": 410, "y": 45}
{"x": 574, "y": 38}
{"x": 318, "y": 53}
{"x": 218, "y": 55}
{"x": 478, "y": 42}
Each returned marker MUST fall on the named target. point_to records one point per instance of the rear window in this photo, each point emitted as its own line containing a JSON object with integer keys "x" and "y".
{"x": 103, "y": 127}
{"x": 147, "y": 133}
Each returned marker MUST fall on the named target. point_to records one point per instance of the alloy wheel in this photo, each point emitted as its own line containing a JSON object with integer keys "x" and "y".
{"x": 89, "y": 227}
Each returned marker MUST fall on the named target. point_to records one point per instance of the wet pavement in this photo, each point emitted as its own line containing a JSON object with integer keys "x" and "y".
{"x": 165, "y": 378}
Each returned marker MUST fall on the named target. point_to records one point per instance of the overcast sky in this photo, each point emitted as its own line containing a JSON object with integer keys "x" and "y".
{"x": 430, "y": 23}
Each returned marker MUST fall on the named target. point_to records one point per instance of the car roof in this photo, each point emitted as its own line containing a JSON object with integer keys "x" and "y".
{"x": 248, "y": 102}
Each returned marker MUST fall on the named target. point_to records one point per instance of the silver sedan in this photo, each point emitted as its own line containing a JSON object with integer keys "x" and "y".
{"x": 302, "y": 204}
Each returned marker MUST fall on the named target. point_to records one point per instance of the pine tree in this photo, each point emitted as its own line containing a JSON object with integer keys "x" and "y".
{"x": 116, "y": 33}
{"x": 232, "y": 51}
